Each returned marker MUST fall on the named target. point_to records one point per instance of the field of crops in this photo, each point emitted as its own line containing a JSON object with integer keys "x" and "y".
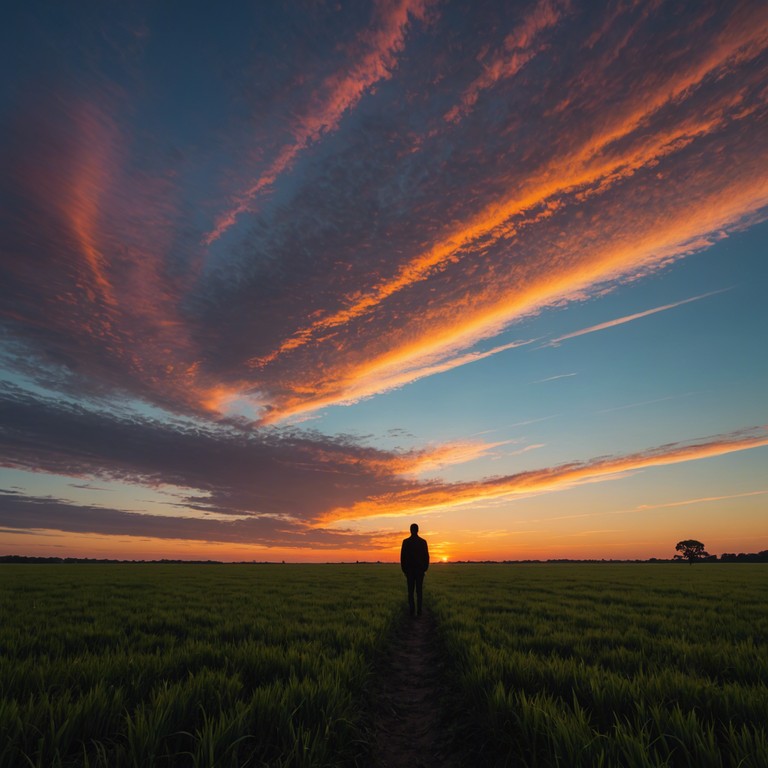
{"x": 237, "y": 665}
{"x": 610, "y": 665}
{"x": 194, "y": 665}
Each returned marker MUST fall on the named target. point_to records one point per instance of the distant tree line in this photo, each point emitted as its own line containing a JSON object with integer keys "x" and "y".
{"x": 53, "y": 560}
{"x": 694, "y": 552}
{"x": 726, "y": 557}
{"x": 745, "y": 557}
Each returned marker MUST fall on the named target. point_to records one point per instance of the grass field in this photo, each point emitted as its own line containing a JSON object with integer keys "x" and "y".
{"x": 610, "y": 665}
{"x": 554, "y": 665}
{"x": 199, "y": 665}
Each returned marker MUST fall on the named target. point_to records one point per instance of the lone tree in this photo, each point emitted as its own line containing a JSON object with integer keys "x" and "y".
{"x": 691, "y": 550}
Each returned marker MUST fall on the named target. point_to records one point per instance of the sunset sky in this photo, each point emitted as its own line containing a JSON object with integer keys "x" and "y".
{"x": 278, "y": 279}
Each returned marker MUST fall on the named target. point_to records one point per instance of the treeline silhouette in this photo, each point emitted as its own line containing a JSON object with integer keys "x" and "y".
{"x": 745, "y": 557}
{"x": 53, "y": 560}
{"x": 726, "y": 557}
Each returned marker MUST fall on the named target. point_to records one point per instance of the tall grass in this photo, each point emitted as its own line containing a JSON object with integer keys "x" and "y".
{"x": 553, "y": 665}
{"x": 610, "y": 665}
{"x": 188, "y": 665}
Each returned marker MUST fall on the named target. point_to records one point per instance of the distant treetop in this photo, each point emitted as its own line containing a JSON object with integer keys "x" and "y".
{"x": 691, "y": 550}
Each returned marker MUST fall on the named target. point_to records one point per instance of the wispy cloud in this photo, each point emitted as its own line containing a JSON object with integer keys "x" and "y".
{"x": 555, "y": 378}
{"x": 514, "y": 425}
{"x": 517, "y": 49}
{"x": 441, "y": 497}
{"x": 630, "y": 318}
{"x": 459, "y": 452}
{"x": 642, "y": 403}
{"x": 371, "y": 59}
{"x": 699, "y": 500}
{"x": 383, "y": 375}
{"x": 651, "y": 507}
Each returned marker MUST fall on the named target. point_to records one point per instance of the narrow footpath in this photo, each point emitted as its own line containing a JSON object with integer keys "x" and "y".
{"x": 409, "y": 721}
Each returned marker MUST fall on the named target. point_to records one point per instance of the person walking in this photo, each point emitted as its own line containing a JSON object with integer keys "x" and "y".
{"x": 414, "y": 562}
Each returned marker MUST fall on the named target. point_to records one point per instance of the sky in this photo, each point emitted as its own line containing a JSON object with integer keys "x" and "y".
{"x": 278, "y": 279}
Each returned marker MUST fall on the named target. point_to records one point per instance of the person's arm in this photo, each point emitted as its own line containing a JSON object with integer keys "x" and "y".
{"x": 403, "y": 556}
{"x": 426, "y": 556}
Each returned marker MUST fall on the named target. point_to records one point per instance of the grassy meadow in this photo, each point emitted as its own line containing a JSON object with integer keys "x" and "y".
{"x": 610, "y": 664}
{"x": 190, "y": 665}
{"x": 256, "y": 665}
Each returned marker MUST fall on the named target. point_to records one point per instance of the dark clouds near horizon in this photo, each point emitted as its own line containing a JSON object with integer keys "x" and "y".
{"x": 237, "y": 470}
{"x": 278, "y": 487}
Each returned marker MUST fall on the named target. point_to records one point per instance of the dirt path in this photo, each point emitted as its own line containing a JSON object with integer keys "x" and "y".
{"x": 410, "y": 729}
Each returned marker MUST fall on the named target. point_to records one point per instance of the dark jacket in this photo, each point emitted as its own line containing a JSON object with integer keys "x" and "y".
{"x": 414, "y": 555}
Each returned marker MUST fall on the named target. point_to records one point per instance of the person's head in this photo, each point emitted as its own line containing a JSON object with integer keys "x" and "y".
{"x": 414, "y": 528}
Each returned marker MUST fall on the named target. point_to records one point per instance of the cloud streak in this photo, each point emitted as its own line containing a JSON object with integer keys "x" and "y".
{"x": 517, "y": 49}
{"x": 687, "y": 502}
{"x": 649, "y": 136}
{"x": 554, "y": 378}
{"x": 372, "y": 59}
{"x": 630, "y": 318}
{"x": 447, "y": 496}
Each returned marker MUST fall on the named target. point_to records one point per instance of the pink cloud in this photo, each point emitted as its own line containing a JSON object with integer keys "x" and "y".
{"x": 519, "y": 47}
{"x": 373, "y": 57}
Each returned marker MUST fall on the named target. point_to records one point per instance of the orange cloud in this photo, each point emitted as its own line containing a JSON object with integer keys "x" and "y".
{"x": 107, "y": 229}
{"x": 439, "y": 496}
{"x": 459, "y": 452}
{"x": 594, "y": 165}
{"x": 94, "y": 167}
{"x": 410, "y": 463}
{"x": 63, "y": 183}
{"x": 382, "y": 374}
{"x": 682, "y": 215}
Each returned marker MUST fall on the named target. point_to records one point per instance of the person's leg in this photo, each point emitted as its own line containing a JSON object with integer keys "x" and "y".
{"x": 411, "y": 585}
{"x": 419, "y": 590}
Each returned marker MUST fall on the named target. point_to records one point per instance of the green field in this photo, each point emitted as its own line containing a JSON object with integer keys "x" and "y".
{"x": 612, "y": 665}
{"x": 226, "y": 665}
{"x": 200, "y": 665}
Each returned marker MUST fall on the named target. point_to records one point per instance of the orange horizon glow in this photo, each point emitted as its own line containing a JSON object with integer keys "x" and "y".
{"x": 144, "y": 548}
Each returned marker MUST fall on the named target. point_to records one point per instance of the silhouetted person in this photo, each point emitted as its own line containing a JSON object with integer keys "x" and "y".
{"x": 414, "y": 561}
